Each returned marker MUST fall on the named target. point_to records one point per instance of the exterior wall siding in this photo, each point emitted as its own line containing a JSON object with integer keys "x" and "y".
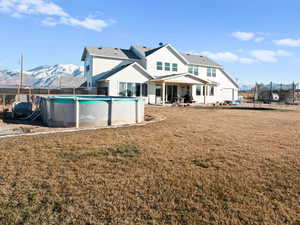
{"x": 100, "y": 66}
{"x": 164, "y": 55}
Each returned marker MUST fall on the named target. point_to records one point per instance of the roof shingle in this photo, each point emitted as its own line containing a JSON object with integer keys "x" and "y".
{"x": 111, "y": 52}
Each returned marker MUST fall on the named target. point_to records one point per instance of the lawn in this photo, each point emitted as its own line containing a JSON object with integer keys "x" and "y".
{"x": 199, "y": 166}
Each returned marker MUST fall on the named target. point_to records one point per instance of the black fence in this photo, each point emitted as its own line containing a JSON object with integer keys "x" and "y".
{"x": 48, "y": 91}
{"x": 10, "y": 94}
{"x": 275, "y": 92}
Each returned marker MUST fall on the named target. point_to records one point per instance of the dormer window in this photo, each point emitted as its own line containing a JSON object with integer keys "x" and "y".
{"x": 167, "y": 66}
{"x": 159, "y": 65}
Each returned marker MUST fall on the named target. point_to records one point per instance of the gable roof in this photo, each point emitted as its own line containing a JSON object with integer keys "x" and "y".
{"x": 118, "y": 53}
{"x": 145, "y": 51}
{"x": 122, "y": 67}
{"x": 200, "y": 60}
{"x": 128, "y": 54}
{"x": 234, "y": 81}
{"x": 172, "y": 76}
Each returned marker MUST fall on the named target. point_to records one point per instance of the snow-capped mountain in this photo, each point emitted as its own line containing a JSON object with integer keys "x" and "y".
{"x": 60, "y": 75}
{"x": 246, "y": 87}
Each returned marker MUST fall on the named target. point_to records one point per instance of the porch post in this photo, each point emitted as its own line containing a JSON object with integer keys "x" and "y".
{"x": 205, "y": 93}
{"x": 163, "y": 92}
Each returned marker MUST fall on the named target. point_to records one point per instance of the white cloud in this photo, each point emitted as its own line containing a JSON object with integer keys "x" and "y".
{"x": 268, "y": 55}
{"x": 243, "y": 36}
{"x": 55, "y": 14}
{"x": 288, "y": 42}
{"x": 30, "y": 7}
{"x": 255, "y": 56}
{"x": 259, "y": 39}
{"x": 283, "y": 53}
{"x": 49, "y": 21}
{"x": 227, "y": 57}
{"x": 223, "y": 56}
{"x": 247, "y": 36}
{"x": 247, "y": 60}
{"x": 88, "y": 23}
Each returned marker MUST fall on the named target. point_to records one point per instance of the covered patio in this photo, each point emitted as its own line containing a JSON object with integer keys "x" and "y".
{"x": 176, "y": 88}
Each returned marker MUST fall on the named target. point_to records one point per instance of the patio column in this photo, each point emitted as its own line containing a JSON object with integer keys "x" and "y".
{"x": 163, "y": 92}
{"x": 205, "y": 93}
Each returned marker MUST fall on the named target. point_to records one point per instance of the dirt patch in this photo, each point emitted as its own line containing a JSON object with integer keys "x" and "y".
{"x": 199, "y": 166}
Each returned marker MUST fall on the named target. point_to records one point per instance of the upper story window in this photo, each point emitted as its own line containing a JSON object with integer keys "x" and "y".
{"x": 194, "y": 70}
{"x": 159, "y": 65}
{"x": 87, "y": 68}
{"x": 174, "y": 67}
{"x": 167, "y": 66}
{"x": 211, "y": 72}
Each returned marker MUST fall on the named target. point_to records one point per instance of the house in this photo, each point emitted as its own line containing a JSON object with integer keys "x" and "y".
{"x": 159, "y": 75}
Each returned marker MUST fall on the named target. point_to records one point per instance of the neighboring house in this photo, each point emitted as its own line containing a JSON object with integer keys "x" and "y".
{"x": 159, "y": 75}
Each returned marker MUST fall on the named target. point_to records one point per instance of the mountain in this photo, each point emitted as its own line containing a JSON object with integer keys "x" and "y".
{"x": 246, "y": 87}
{"x": 60, "y": 75}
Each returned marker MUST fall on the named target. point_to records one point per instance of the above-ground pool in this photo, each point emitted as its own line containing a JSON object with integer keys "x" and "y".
{"x": 90, "y": 111}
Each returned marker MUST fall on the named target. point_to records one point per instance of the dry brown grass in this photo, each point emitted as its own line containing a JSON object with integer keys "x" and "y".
{"x": 200, "y": 166}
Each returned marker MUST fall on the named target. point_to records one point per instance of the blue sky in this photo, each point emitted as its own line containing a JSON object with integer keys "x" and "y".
{"x": 254, "y": 40}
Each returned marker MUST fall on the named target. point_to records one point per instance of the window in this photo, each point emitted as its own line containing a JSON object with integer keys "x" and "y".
{"x": 87, "y": 68}
{"x": 196, "y": 70}
{"x": 144, "y": 90}
{"x": 137, "y": 89}
{"x": 211, "y": 72}
{"x": 133, "y": 89}
{"x": 159, "y": 65}
{"x": 122, "y": 89}
{"x": 204, "y": 91}
{"x": 198, "y": 90}
{"x": 158, "y": 89}
{"x": 174, "y": 67}
{"x": 212, "y": 91}
{"x": 214, "y": 72}
{"x": 167, "y": 66}
{"x": 130, "y": 89}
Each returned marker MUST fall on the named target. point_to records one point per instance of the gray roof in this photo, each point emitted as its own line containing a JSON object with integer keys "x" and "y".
{"x": 144, "y": 51}
{"x": 117, "y": 69}
{"x": 113, "y": 71}
{"x": 181, "y": 74}
{"x": 199, "y": 60}
{"x": 110, "y": 52}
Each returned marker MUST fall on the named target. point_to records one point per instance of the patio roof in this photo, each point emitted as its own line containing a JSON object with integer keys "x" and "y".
{"x": 184, "y": 78}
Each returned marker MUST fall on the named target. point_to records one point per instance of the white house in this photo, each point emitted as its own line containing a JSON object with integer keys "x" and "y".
{"x": 159, "y": 75}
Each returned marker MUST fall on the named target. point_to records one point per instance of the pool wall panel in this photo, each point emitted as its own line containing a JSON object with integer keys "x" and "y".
{"x": 93, "y": 111}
